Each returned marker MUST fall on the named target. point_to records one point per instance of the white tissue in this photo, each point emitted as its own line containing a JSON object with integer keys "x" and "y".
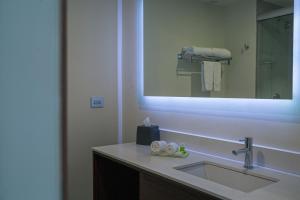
{"x": 147, "y": 122}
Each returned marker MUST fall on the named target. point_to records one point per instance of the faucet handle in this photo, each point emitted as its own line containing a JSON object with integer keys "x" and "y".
{"x": 246, "y": 139}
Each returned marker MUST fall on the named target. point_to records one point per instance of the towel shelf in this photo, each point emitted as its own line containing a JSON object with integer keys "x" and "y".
{"x": 185, "y": 68}
{"x": 180, "y": 72}
{"x": 184, "y": 73}
{"x": 198, "y": 58}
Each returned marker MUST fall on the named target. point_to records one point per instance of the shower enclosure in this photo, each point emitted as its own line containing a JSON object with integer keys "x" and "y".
{"x": 275, "y": 57}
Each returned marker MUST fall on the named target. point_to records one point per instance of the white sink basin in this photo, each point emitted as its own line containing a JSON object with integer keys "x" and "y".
{"x": 242, "y": 180}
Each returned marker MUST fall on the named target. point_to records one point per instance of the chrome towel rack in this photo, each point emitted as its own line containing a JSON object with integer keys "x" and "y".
{"x": 198, "y": 58}
{"x": 185, "y": 68}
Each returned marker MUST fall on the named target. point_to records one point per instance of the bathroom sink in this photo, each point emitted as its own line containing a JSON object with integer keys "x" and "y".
{"x": 242, "y": 180}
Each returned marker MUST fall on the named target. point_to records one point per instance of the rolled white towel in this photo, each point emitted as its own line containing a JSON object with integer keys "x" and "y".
{"x": 206, "y": 52}
{"x": 172, "y": 148}
{"x": 158, "y": 146}
{"x": 221, "y": 53}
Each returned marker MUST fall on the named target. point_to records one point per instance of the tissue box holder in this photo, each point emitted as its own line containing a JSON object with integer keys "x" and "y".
{"x": 146, "y": 135}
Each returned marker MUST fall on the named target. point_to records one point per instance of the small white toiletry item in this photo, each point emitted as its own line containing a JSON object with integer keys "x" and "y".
{"x": 147, "y": 122}
{"x": 158, "y": 146}
{"x": 161, "y": 148}
{"x": 172, "y": 148}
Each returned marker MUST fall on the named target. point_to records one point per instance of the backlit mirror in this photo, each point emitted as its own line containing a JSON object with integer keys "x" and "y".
{"x": 218, "y": 48}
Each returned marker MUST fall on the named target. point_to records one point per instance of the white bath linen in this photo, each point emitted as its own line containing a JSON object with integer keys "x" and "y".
{"x": 172, "y": 148}
{"x": 217, "y": 76}
{"x": 207, "y": 52}
{"x": 207, "y": 76}
{"x": 211, "y": 76}
{"x": 158, "y": 146}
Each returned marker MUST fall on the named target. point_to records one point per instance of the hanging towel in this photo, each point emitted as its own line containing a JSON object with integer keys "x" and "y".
{"x": 207, "y": 76}
{"x": 217, "y": 76}
{"x": 211, "y": 76}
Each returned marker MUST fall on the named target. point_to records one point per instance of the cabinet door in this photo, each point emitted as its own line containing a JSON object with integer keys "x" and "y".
{"x": 155, "y": 187}
{"x": 114, "y": 181}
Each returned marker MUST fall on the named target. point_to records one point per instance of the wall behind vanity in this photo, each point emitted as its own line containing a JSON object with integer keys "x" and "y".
{"x": 272, "y": 133}
{"x": 92, "y": 71}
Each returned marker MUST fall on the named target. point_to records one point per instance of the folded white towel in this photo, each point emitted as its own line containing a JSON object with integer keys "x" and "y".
{"x": 206, "y": 52}
{"x": 158, "y": 146}
{"x": 172, "y": 148}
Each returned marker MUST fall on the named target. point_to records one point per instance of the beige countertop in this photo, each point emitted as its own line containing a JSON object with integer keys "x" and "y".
{"x": 288, "y": 187}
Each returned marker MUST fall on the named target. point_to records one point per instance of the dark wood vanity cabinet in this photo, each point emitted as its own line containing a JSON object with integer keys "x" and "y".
{"x": 158, "y": 188}
{"x": 114, "y": 180}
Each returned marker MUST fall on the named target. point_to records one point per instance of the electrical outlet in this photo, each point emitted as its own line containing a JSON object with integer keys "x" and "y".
{"x": 97, "y": 102}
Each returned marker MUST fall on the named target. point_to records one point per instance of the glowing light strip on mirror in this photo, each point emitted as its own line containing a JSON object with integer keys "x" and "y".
{"x": 253, "y": 108}
{"x": 120, "y": 71}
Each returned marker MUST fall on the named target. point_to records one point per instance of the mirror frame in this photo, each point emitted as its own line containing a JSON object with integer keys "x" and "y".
{"x": 283, "y": 110}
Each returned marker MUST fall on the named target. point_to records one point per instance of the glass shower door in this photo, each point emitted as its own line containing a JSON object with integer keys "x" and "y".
{"x": 275, "y": 58}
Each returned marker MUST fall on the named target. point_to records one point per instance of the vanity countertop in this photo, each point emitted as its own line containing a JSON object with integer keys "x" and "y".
{"x": 288, "y": 188}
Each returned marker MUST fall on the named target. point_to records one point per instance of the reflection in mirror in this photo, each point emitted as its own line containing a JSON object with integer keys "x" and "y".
{"x": 219, "y": 48}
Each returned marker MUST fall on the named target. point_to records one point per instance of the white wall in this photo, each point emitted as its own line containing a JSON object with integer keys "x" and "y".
{"x": 270, "y": 133}
{"x": 240, "y": 23}
{"x": 92, "y": 70}
{"x": 30, "y": 99}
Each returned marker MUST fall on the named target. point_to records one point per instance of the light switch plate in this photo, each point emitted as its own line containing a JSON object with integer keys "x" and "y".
{"x": 97, "y": 102}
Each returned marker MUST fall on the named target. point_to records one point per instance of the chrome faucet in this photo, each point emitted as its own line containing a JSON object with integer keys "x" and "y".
{"x": 248, "y": 150}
